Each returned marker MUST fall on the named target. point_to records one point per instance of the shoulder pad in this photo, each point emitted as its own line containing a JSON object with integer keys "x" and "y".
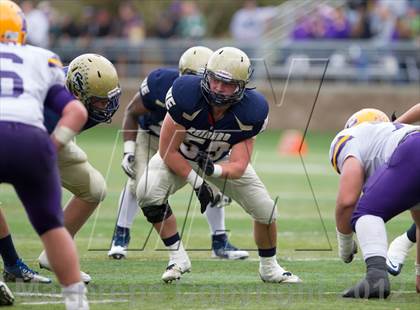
{"x": 185, "y": 98}
{"x": 154, "y": 87}
{"x": 253, "y": 109}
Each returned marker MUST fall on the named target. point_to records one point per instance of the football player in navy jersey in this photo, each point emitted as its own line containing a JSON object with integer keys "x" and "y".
{"x": 209, "y": 132}
{"x": 147, "y": 111}
{"x": 94, "y": 81}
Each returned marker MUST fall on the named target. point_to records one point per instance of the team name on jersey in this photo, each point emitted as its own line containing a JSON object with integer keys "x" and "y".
{"x": 209, "y": 135}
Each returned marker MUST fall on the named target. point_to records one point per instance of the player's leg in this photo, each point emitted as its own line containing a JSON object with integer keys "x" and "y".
{"x": 252, "y": 195}
{"x": 153, "y": 191}
{"x": 88, "y": 187}
{"x": 220, "y": 245}
{"x": 146, "y": 146}
{"x": 398, "y": 250}
{"x": 14, "y": 268}
{"x": 38, "y": 187}
{"x": 383, "y": 199}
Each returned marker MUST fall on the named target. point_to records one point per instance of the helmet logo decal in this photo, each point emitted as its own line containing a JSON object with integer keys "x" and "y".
{"x": 78, "y": 82}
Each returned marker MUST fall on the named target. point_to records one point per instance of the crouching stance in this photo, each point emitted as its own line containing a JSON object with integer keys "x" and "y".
{"x": 209, "y": 130}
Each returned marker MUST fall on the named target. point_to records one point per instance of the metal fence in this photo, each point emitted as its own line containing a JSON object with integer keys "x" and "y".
{"x": 347, "y": 60}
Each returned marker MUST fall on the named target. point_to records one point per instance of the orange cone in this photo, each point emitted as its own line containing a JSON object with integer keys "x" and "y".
{"x": 290, "y": 142}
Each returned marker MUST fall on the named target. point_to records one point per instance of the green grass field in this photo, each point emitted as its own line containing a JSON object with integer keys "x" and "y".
{"x": 303, "y": 246}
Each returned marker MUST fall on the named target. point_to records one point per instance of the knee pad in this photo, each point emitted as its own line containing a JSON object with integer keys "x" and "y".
{"x": 98, "y": 189}
{"x": 156, "y": 214}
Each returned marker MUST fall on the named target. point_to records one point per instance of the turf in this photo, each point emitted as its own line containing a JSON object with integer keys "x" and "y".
{"x": 306, "y": 243}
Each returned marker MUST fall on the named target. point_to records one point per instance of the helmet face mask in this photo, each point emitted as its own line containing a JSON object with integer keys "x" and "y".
{"x": 13, "y": 27}
{"x": 366, "y": 115}
{"x": 228, "y": 65}
{"x": 101, "y": 109}
{"x": 216, "y": 98}
{"x": 94, "y": 81}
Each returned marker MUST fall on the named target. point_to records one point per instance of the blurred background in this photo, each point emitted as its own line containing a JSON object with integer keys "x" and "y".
{"x": 366, "y": 53}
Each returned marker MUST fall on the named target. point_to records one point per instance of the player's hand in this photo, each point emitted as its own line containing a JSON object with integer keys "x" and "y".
{"x": 128, "y": 164}
{"x": 205, "y": 163}
{"x": 204, "y": 195}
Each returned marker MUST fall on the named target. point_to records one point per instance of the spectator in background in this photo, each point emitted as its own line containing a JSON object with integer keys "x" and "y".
{"x": 103, "y": 26}
{"x": 191, "y": 23}
{"x": 37, "y": 22}
{"x": 246, "y": 23}
{"x": 130, "y": 23}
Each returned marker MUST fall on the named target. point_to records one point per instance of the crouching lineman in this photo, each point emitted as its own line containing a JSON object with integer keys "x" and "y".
{"x": 147, "y": 111}
{"x": 210, "y": 126}
{"x": 28, "y": 154}
{"x": 94, "y": 81}
{"x": 399, "y": 247}
{"x": 373, "y": 149}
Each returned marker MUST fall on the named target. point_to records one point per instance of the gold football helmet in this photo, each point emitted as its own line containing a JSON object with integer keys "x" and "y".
{"x": 366, "y": 115}
{"x": 230, "y": 65}
{"x": 12, "y": 23}
{"x": 194, "y": 60}
{"x": 94, "y": 81}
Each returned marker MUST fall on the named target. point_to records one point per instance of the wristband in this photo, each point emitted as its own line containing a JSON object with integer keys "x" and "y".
{"x": 129, "y": 146}
{"x": 218, "y": 171}
{"x": 417, "y": 269}
{"x": 194, "y": 179}
{"x": 63, "y": 134}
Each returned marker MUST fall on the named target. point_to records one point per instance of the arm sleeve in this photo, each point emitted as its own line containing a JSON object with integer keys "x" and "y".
{"x": 57, "y": 98}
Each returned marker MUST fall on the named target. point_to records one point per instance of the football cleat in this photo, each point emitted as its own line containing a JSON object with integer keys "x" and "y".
{"x": 45, "y": 264}
{"x": 174, "y": 271}
{"x": 397, "y": 253}
{"x": 6, "y": 295}
{"x": 376, "y": 287}
{"x": 120, "y": 243}
{"x": 222, "y": 248}
{"x": 276, "y": 274}
{"x": 20, "y": 272}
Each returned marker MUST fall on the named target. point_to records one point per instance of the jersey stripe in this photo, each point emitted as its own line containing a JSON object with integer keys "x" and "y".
{"x": 338, "y": 147}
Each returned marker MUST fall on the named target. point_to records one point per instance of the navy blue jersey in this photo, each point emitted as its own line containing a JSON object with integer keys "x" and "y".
{"x": 153, "y": 91}
{"x": 51, "y": 118}
{"x": 188, "y": 107}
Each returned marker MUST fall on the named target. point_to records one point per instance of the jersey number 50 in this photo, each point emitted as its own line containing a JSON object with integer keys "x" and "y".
{"x": 15, "y": 89}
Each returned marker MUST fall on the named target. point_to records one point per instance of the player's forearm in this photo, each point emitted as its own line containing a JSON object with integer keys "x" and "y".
{"x": 343, "y": 215}
{"x": 177, "y": 163}
{"x": 130, "y": 127}
{"x": 73, "y": 118}
{"x": 411, "y": 116}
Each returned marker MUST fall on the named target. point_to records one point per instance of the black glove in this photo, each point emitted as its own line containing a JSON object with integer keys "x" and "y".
{"x": 393, "y": 117}
{"x": 205, "y": 163}
{"x": 204, "y": 195}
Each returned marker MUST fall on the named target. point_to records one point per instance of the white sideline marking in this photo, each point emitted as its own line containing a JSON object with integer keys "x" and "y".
{"x": 105, "y": 301}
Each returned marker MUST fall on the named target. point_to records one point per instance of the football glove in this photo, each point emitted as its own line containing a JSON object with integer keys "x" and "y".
{"x": 204, "y": 195}
{"x": 393, "y": 117}
{"x": 205, "y": 163}
{"x": 127, "y": 165}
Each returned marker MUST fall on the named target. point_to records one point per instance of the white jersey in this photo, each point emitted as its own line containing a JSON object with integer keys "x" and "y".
{"x": 371, "y": 143}
{"x": 27, "y": 73}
